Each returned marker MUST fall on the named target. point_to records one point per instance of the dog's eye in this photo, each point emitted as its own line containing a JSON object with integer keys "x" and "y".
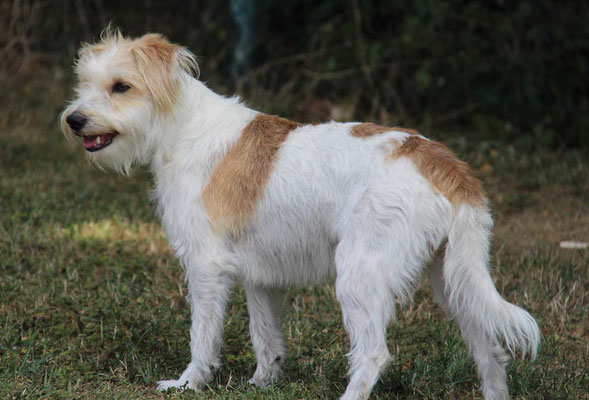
{"x": 120, "y": 87}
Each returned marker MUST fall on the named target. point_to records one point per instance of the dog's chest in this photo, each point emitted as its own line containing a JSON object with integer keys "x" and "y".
{"x": 183, "y": 219}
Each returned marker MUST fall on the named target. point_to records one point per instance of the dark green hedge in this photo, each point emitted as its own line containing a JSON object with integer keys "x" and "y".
{"x": 511, "y": 70}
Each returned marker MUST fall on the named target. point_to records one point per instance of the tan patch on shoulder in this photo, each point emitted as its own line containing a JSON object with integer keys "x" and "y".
{"x": 451, "y": 176}
{"x": 369, "y": 129}
{"x": 238, "y": 181}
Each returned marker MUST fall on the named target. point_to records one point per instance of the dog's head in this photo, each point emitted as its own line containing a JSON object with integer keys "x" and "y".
{"x": 126, "y": 89}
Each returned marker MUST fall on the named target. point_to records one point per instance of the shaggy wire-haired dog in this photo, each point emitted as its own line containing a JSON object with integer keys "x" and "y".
{"x": 272, "y": 203}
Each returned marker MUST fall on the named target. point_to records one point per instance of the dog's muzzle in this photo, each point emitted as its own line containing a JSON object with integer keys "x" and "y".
{"x": 91, "y": 143}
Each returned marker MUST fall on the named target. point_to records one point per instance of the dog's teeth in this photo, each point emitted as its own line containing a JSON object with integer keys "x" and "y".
{"x": 98, "y": 140}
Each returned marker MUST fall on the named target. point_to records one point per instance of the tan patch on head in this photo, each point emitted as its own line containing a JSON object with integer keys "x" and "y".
{"x": 369, "y": 129}
{"x": 443, "y": 170}
{"x": 159, "y": 63}
{"x": 238, "y": 181}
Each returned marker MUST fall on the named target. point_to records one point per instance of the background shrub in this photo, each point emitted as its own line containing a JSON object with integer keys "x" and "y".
{"x": 514, "y": 71}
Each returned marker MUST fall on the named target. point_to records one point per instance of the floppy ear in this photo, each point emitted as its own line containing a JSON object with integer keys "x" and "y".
{"x": 161, "y": 64}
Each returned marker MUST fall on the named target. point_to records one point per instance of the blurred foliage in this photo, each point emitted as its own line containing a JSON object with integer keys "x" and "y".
{"x": 514, "y": 71}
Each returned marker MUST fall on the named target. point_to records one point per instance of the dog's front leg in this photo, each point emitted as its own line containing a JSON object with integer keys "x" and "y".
{"x": 265, "y": 306}
{"x": 207, "y": 294}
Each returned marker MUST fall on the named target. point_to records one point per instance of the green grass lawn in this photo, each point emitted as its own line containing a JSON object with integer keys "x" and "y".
{"x": 92, "y": 300}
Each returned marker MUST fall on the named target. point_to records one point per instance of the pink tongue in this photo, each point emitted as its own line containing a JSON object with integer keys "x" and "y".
{"x": 89, "y": 141}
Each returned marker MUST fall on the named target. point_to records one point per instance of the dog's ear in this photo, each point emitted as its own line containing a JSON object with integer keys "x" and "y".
{"x": 162, "y": 65}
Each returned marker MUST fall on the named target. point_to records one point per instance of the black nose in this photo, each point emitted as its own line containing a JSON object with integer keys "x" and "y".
{"x": 76, "y": 121}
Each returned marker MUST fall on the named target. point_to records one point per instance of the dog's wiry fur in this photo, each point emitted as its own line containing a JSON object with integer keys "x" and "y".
{"x": 270, "y": 203}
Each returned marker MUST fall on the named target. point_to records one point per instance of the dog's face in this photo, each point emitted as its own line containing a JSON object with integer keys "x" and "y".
{"x": 126, "y": 88}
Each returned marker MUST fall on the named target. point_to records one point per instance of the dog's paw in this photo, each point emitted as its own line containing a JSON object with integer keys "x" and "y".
{"x": 180, "y": 384}
{"x": 172, "y": 383}
{"x": 190, "y": 379}
{"x": 264, "y": 378}
{"x": 261, "y": 383}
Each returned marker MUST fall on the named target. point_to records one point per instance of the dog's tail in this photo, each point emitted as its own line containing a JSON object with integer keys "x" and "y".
{"x": 472, "y": 293}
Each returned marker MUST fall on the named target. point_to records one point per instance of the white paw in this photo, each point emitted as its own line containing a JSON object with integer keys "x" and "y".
{"x": 172, "y": 383}
{"x": 188, "y": 380}
{"x": 261, "y": 382}
{"x": 264, "y": 379}
{"x": 180, "y": 384}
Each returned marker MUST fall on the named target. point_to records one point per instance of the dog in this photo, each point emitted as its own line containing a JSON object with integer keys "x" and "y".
{"x": 271, "y": 203}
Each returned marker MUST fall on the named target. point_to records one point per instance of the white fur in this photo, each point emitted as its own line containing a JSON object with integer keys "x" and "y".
{"x": 334, "y": 208}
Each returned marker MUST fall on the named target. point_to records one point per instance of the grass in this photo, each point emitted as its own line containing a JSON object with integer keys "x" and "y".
{"x": 92, "y": 301}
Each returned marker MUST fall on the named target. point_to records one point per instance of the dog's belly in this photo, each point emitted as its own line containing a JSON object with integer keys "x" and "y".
{"x": 280, "y": 258}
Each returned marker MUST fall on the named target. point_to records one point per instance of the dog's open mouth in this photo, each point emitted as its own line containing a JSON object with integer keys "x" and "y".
{"x": 98, "y": 142}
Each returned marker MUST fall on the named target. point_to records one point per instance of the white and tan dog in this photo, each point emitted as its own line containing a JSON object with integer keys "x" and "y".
{"x": 271, "y": 203}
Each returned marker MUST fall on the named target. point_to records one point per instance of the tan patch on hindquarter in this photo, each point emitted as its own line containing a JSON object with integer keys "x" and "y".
{"x": 369, "y": 129}
{"x": 238, "y": 181}
{"x": 443, "y": 169}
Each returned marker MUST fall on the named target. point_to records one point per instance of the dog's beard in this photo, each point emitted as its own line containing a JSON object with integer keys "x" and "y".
{"x": 125, "y": 151}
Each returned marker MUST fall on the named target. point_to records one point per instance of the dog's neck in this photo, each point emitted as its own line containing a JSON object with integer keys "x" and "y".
{"x": 202, "y": 124}
{"x": 200, "y": 129}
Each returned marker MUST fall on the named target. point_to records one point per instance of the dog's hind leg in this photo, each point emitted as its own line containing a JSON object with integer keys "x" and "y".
{"x": 265, "y": 306}
{"x": 366, "y": 313}
{"x": 366, "y": 292}
{"x": 382, "y": 250}
{"x": 207, "y": 294}
{"x": 488, "y": 354}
